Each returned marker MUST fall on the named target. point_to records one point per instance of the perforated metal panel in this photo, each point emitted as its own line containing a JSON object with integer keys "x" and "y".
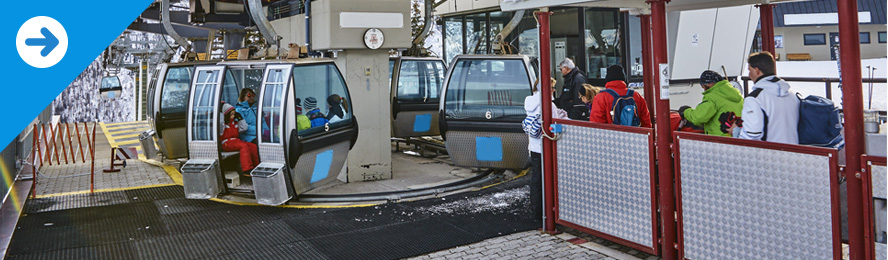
{"x": 880, "y": 180}
{"x": 305, "y": 167}
{"x": 175, "y": 141}
{"x": 743, "y": 202}
{"x": 604, "y": 182}
{"x": 203, "y": 150}
{"x": 271, "y": 153}
{"x": 461, "y": 147}
{"x": 403, "y": 126}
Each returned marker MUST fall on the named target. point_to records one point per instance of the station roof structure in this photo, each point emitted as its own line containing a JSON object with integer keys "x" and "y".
{"x": 674, "y": 5}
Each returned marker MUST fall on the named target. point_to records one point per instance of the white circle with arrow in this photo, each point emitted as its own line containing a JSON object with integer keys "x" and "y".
{"x": 41, "y": 42}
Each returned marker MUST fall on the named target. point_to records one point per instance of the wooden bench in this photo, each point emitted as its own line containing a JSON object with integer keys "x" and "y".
{"x": 798, "y": 56}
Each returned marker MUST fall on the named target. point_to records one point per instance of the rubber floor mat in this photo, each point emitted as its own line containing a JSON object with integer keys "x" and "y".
{"x": 159, "y": 223}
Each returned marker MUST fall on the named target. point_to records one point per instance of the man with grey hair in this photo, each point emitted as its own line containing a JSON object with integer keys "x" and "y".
{"x": 570, "y": 97}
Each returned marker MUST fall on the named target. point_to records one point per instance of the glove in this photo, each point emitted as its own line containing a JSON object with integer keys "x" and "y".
{"x": 681, "y": 111}
{"x": 727, "y": 120}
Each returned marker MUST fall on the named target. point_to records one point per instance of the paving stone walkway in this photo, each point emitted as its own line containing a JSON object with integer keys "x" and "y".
{"x": 525, "y": 245}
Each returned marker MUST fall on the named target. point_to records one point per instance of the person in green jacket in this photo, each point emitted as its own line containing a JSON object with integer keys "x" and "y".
{"x": 720, "y": 99}
{"x": 302, "y": 121}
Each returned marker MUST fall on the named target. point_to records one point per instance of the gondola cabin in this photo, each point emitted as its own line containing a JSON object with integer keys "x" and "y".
{"x": 110, "y": 87}
{"x": 482, "y": 109}
{"x": 416, "y": 87}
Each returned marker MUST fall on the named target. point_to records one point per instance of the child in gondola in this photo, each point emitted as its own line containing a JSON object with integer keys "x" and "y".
{"x": 249, "y": 153}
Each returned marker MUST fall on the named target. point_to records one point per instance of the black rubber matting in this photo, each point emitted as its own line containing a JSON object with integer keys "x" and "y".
{"x": 159, "y": 223}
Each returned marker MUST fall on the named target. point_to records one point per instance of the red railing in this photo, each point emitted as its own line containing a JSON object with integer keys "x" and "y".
{"x": 866, "y": 176}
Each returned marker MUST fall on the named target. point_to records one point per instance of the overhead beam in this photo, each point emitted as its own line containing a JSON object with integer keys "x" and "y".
{"x": 211, "y": 21}
{"x": 184, "y": 31}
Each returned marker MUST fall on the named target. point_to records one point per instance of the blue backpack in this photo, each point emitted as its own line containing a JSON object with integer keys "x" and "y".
{"x": 623, "y": 110}
{"x": 819, "y": 123}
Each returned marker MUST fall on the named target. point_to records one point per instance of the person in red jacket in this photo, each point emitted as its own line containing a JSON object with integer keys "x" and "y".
{"x": 603, "y": 103}
{"x": 249, "y": 153}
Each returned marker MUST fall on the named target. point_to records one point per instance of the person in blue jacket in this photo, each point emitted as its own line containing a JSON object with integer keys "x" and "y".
{"x": 310, "y": 104}
{"x": 246, "y": 107}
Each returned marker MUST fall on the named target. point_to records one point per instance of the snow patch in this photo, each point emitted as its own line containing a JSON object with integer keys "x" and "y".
{"x": 495, "y": 202}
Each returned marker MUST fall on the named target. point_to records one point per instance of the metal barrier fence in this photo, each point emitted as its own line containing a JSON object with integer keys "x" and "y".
{"x": 875, "y": 179}
{"x": 605, "y": 183}
{"x": 742, "y": 199}
{"x": 49, "y": 142}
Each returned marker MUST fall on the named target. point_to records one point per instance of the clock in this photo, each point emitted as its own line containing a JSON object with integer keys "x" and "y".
{"x": 373, "y": 38}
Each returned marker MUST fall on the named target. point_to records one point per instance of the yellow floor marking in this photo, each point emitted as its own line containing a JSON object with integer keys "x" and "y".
{"x": 104, "y": 190}
{"x": 135, "y": 127}
{"x": 107, "y": 135}
{"x": 125, "y": 123}
{"x": 177, "y": 178}
{"x": 524, "y": 172}
{"x": 126, "y": 142}
{"x": 127, "y": 136}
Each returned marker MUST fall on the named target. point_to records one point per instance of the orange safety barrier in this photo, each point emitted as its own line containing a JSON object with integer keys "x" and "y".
{"x": 53, "y": 139}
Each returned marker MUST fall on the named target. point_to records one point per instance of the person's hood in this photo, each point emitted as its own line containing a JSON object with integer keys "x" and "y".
{"x": 336, "y": 110}
{"x": 616, "y": 85}
{"x": 725, "y": 90}
{"x": 773, "y": 85}
{"x": 533, "y": 104}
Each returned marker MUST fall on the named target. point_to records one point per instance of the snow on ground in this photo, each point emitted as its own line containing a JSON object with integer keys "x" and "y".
{"x": 489, "y": 202}
{"x": 829, "y": 69}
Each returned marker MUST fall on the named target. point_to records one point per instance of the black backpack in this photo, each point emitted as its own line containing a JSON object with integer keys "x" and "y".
{"x": 820, "y": 123}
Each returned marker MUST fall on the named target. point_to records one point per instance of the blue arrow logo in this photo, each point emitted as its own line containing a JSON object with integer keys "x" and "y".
{"x": 49, "y": 42}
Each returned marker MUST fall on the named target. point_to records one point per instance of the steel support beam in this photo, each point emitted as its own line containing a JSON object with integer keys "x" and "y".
{"x": 647, "y": 64}
{"x": 663, "y": 134}
{"x": 184, "y": 31}
{"x": 766, "y": 19}
{"x": 548, "y": 145}
{"x": 852, "y": 92}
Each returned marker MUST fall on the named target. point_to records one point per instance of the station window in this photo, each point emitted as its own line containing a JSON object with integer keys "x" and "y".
{"x": 864, "y": 37}
{"x": 420, "y": 80}
{"x": 203, "y": 108}
{"x": 487, "y": 90}
{"x": 272, "y": 108}
{"x": 176, "y": 87}
{"x": 602, "y": 36}
{"x": 815, "y": 39}
{"x": 476, "y": 33}
{"x": 883, "y": 37}
{"x": 453, "y": 37}
{"x": 323, "y": 98}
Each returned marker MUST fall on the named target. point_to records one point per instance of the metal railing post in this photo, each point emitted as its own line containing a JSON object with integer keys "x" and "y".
{"x": 852, "y": 93}
{"x": 663, "y": 135}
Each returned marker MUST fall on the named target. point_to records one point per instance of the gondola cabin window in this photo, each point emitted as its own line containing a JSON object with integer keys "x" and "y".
{"x": 420, "y": 81}
{"x": 322, "y": 97}
{"x": 272, "y": 106}
{"x": 203, "y": 112}
{"x": 487, "y": 89}
{"x": 176, "y": 86}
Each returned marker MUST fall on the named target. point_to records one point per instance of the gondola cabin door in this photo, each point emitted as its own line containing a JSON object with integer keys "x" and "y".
{"x": 276, "y": 117}
{"x": 201, "y": 174}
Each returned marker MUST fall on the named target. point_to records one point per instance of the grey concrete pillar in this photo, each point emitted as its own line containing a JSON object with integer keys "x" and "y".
{"x": 370, "y": 159}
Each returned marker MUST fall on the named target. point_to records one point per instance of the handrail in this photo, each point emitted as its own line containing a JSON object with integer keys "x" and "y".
{"x": 828, "y": 82}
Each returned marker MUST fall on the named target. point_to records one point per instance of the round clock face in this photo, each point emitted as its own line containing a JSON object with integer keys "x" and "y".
{"x": 373, "y": 38}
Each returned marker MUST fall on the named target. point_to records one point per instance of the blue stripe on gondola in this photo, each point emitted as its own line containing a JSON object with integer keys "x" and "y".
{"x": 489, "y": 149}
{"x": 322, "y": 166}
{"x": 422, "y": 123}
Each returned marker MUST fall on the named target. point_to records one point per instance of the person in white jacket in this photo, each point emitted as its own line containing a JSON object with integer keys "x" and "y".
{"x": 771, "y": 110}
{"x": 533, "y": 106}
